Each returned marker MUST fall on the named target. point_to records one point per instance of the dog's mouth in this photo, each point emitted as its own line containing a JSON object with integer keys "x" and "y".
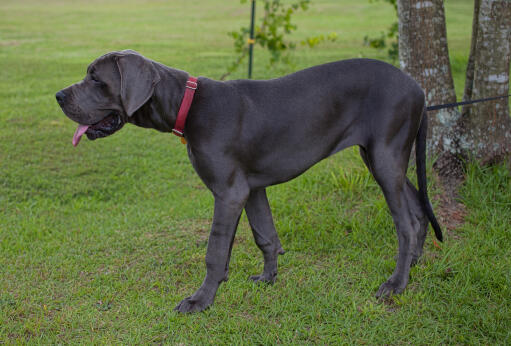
{"x": 103, "y": 128}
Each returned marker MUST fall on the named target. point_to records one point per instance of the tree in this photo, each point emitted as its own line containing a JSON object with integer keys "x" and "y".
{"x": 485, "y": 129}
{"x": 423, "y": 53}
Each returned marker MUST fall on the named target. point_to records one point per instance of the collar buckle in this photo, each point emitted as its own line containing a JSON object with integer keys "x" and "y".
{"x": 177, "y": 133}
{"x": 191, "y": 85}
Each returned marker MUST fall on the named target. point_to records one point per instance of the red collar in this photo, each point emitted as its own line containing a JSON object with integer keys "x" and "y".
{"x": 179, "y": 126}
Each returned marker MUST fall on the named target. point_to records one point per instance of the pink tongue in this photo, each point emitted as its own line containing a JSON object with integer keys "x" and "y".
{"x": 79, "y": 133}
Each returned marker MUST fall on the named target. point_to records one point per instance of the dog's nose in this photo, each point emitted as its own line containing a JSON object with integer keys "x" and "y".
{"x": 61, "y": 97}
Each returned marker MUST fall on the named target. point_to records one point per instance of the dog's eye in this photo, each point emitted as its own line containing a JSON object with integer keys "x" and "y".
{"x": 96, "y": 81}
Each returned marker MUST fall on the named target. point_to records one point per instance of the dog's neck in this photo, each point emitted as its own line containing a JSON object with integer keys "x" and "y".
{"x": 160, "y": 111}
{"x": 204, "y": 117}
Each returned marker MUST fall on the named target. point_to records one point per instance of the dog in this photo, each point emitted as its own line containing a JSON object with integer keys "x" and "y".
{"x": 245, "y": 135}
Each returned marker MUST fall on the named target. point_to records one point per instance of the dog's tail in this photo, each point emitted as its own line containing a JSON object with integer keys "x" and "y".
{"x": 420, "y": 157}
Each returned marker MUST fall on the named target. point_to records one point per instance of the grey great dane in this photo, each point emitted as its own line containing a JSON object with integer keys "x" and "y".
{"x": 246, "y": 135}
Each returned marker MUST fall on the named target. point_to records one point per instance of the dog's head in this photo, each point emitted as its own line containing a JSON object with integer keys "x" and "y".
{"x": 116, "y": 85}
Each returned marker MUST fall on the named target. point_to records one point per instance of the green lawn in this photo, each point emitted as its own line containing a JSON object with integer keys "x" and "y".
{"x": 98, "y": 243}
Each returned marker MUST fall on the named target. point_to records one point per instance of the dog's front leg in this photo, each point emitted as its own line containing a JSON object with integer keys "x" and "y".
{"x": 228, "y": 209}
{"x": 261, "y": 221}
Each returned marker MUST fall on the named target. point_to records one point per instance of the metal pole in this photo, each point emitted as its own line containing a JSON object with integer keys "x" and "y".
{"x": 251, "y": 41}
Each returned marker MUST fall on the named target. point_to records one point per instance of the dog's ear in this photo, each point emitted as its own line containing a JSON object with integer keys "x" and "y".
{"x": 138, "y": 78}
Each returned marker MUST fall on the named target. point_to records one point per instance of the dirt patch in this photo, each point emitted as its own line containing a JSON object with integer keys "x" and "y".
{"x": 450, "y": 211}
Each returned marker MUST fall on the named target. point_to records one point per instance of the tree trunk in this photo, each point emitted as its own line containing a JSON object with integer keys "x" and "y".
{"x": 423, "y": 54}
{"x": 469, "y": 77}
{"x": 485, "y": 128}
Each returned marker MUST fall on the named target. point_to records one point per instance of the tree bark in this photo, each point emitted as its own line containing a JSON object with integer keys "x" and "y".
{"x": 485, "y": 128}
{"x": 423, "y": 53}
{"x": 469, "y": 76}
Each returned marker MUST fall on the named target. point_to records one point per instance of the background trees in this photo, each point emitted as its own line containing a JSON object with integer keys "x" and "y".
{"x": 481, "y": 131}
{"x": 485, "y": 129}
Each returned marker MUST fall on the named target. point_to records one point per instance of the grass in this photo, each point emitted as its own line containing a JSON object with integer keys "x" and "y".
{"x": 98, "y": 243}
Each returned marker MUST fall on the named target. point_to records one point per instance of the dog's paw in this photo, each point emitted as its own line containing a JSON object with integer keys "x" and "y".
{"x": 415, "y": 260}
{"x": 389, "y": 288}
{"x": 264, "y": 278}
{"x": 190, "y": 304}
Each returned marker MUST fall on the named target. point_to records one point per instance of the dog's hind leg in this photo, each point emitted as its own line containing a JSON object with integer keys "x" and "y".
{"x": 261, "y": 221}
{"x": 388, "y": 167}
{"x": 419, "y": 219}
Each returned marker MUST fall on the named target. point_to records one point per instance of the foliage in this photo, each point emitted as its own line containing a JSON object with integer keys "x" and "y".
{"x": 272, "y": 32}
{"x": 388, "y": 38}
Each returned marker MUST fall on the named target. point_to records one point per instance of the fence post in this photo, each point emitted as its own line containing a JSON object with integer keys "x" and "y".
{"x": 251, "y": 41}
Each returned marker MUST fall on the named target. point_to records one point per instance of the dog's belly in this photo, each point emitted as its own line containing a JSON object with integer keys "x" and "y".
{"x": 280, "y": 151}
{"x": 288, "y": 161}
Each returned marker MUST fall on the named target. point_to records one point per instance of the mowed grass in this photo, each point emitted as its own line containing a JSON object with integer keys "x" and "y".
{"x": 98, "y": 243}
